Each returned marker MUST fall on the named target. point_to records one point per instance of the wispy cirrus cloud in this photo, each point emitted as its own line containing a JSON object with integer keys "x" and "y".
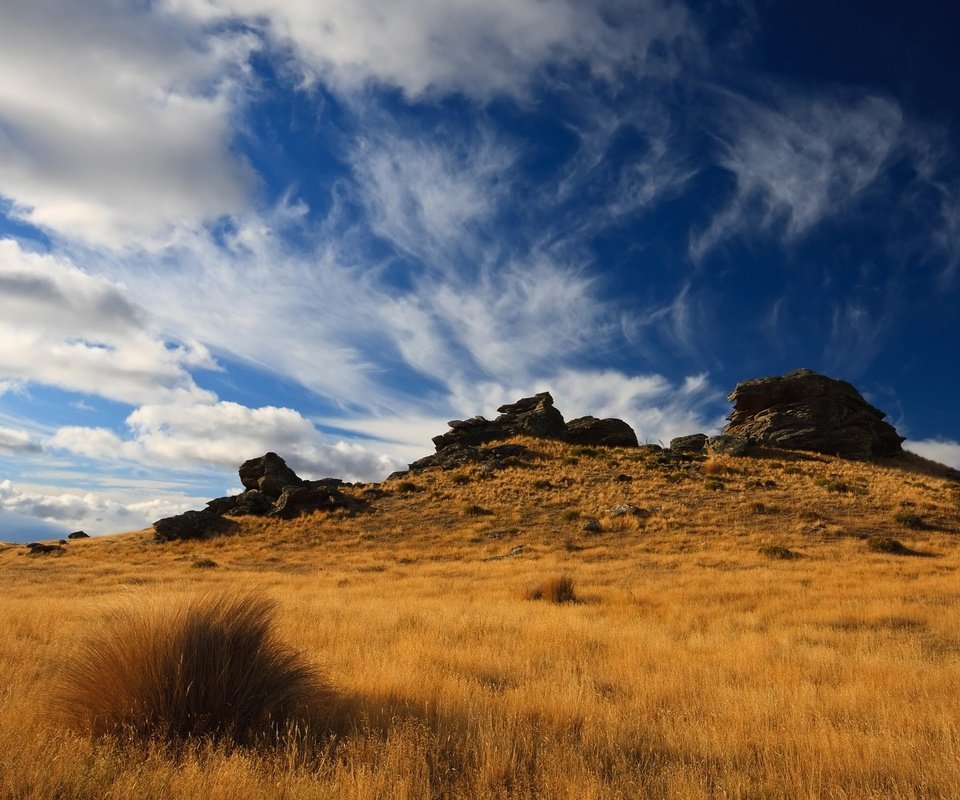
{"x": 480, "y": 48}
{"x": 798, "y": 160}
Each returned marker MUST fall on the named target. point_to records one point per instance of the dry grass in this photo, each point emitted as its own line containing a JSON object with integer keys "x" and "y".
{"x": 556, "y": 589}
{"x": 697, "y": 668}
{"x": 211, "y": 667}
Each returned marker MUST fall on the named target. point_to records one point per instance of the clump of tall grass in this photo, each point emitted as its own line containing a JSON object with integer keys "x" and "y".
{"x": 556, "y": 589}
{"x": 211, "y": 668}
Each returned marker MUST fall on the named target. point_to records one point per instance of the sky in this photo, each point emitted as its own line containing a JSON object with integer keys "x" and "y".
{"x": 327, "y": 227}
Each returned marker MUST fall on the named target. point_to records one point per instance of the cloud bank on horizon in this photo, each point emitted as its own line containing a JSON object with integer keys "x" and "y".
{"x": 325, "y": 228}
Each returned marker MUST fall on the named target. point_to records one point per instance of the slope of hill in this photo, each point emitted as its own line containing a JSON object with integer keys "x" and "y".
{"x": 744, "y": 627}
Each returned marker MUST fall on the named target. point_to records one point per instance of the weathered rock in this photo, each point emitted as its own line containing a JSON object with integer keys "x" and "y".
{"x": 312, "y": 496}
{"x": 592, "y": 526}
{"x": 41, "y": 549}
{"x": 191, "y": 525}
{"x": 268, "y": 474}
{"x": 460, "y": 455}
{"x": 628, "y": 509}
{"x": 689, "y": 444}
{"x": 530, "y": 416}
{"x": 78, "y": 535}
{"x": 610, "y": 432}
{"x": 804, "y": 410}
{"x": 728, "y": 445}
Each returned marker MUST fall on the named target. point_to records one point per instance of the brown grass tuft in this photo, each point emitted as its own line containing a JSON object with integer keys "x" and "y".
{"x": 210, "y": 668}
{"x": 557, "y": 589}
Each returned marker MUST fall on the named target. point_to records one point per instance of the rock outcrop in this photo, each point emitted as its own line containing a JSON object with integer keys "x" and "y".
{"x": 272, "y": 490}
{"x": 694, "y": 443}
{"x": 804, "y": 410}
{"x": 533, "y": 416}
{"x": 611, "y": 432}
{"x": 269, "y": 474}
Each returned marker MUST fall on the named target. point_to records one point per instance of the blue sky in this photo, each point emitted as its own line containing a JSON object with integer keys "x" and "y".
{"x": 327, "y": 227}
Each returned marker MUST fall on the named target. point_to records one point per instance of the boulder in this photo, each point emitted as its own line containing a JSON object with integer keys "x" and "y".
{"x": 728, "y": 445}
{"x": 460, "y": 455}
{"x": 78, "y": 535}
{"x": 689, "y": 444}
{"x": 191, "y": 525}
{"x": 804, "y": 410}
{"x": 41, "y": 549}
{"x": 312, "y": 496}
{"x": 252, "y": 502}
{"x": 529, "y": 416}
{"x": 590, "y": 431}
{"x": 268, "y": 474}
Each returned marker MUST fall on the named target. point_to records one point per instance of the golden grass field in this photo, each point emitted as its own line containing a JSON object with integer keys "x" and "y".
{"x": 694, "y": 664}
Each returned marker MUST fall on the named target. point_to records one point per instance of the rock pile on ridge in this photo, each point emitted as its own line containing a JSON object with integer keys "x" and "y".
{"x": 804, "y": 410}
{"x": 534, "y": 416}
{"x": 272, "y": 490}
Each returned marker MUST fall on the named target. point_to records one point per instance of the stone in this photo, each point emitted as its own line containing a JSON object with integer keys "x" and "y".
{"x": 313, "y": 496}
{"x": 78, "y": 535}
{"x": 693, "y": 443}
{"x": 804, "y": 410}
{"x": 41, "y": 549}
{"x": 460, "y": 455}
{"x": 610, "y": 432}
{"x": 728, "y": 445}
{"x": 628, "y": 509}
{"x": 191, "y": 525}
{"x": 269, "y": 474}
{"x": 592, "y": 526}
{"x": 530, "y": 416}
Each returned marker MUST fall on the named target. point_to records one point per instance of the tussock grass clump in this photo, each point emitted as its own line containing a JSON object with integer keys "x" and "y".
{"x": 908, "y": 519}
{"x": 204, "y": 563}
{"x": 209, "y": 668}
{"x": 887, "y": 544}
{"x": 473, "y": 510}
{"x": 777, "y": 551}
{"x": 406, "y": 487}
{"x": 557, "y": 589}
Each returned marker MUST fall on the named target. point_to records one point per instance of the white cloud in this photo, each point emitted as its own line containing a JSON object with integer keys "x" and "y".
{"x": 224, "y": 434}
{"x": 943, "y": 451}
{"x": 18, "y": 442}
{"x": 482, "y": 48}
{"x": 116, "y": 121}
{"x": 62, "y": 327}
{"x": 95, "y": 512}
{"x": 799, "y": 161}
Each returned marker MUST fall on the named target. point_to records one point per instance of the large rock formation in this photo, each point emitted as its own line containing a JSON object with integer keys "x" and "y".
{"x": 273, "y": 490}
{"x": 804, "y": 410}
{"x": 610, "y": 432}
{"x": 530, "y": 416}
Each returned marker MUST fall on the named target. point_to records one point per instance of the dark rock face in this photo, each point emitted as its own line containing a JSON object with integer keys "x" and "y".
{"x": 41, "y": 549}
{"x": 269, "y": 474}
{"x": 459, "y": 455}
{"x": 191, "y": 525}
{"x": 530, "y": 416}
{"x": 693, "y": 443}
{"x": 533, "y": 416}
{"x": 273, "y": 489}
{"x": 728, "y": 445}
{"x": 804, "y": 410}
{"x": 611, "y": 432}
{"x": 311, "y": 496}
{"x": 78, "y": 535}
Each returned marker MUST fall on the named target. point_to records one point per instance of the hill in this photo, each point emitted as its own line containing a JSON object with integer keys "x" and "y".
{"x": 743, "y": 628}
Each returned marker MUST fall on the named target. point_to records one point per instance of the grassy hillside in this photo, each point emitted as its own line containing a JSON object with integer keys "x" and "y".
{"x": 750, "y": 632}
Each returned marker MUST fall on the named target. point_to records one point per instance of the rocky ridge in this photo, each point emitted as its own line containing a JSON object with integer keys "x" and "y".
{"x": 272, "y": 490}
